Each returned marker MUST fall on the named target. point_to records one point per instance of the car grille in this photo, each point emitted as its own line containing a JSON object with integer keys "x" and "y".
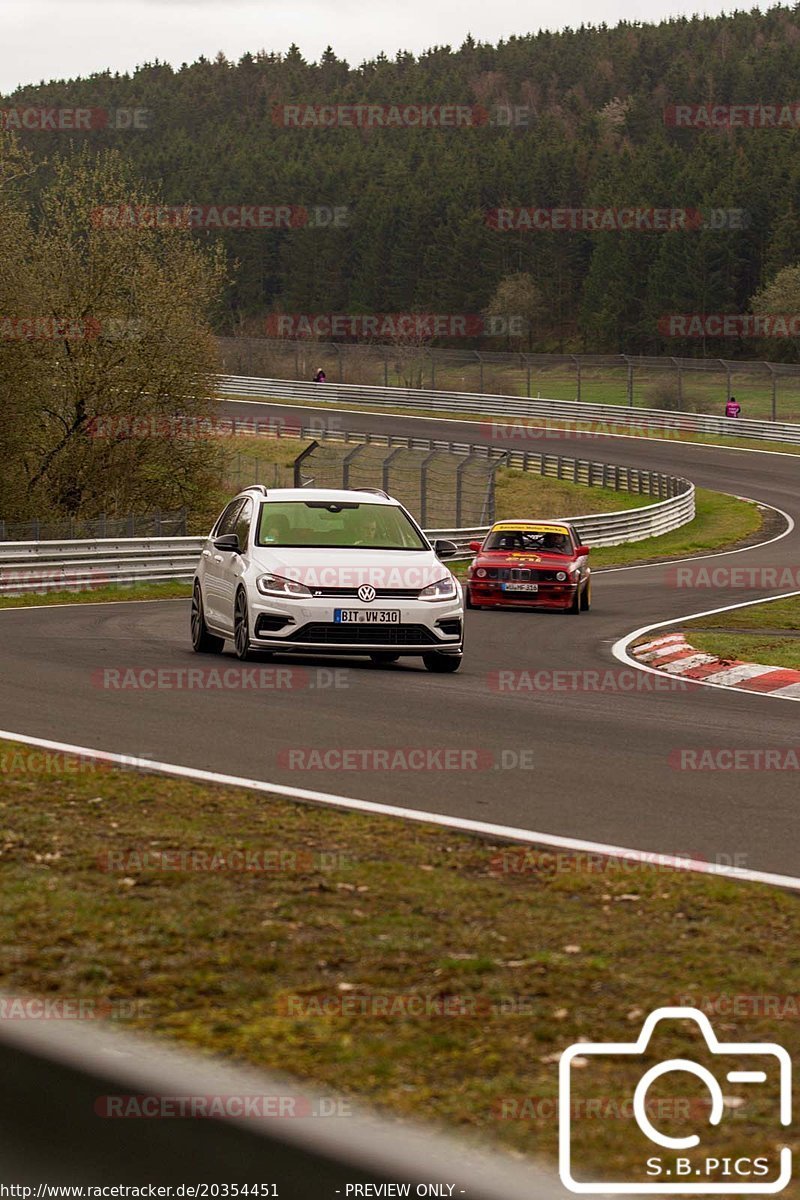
{"x": 351, "y": 593}
{"x": 331, "y": 634}
{"x": 521, "y": 575}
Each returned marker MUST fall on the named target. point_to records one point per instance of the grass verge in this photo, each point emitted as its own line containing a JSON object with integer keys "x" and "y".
{"x": 281, "y": 966}
{"x": 753, "y": 634}
{"x": 138, "y": 591}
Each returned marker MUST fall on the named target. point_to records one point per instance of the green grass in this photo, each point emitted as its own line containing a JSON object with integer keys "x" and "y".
{"x": 720, "y": 522}
{"x": 138, "y": 591}
{"x": 523, "y": 493}
{"x": 752, "y": 634}
{"x": 546, "y": 953}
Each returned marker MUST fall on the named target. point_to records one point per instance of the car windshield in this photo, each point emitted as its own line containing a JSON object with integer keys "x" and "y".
{"x": 347, "y": 524}
{"x": 539, "y": 541}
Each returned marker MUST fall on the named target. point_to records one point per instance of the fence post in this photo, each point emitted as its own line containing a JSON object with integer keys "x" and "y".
{"x": 774, "y": 393}
{"x": 300, "y": 459}
{"x": 630, "y": 383}
{"x": 346, "y": 463}
{"x": 461, "y": 468}
{"x": 577, "y": 362}
{"x": 423, "y": 487}
{"x": 387, "y": 462}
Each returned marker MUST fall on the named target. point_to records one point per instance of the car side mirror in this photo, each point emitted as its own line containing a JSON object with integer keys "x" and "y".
{"x": 444, "y": 548}
{"x": 581, "y": 550}
{"x": 228, "y": 542}
{"x": 475, "y": 547}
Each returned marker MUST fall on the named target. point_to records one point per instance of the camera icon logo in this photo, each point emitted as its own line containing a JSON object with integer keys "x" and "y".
{"x": 681, "y": 1165}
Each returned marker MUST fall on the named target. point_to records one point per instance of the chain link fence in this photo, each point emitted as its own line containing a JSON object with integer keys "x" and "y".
{"x": 765, "y": 390}
{"x": 439, "y": 487}
{"x": 154, "y": 524}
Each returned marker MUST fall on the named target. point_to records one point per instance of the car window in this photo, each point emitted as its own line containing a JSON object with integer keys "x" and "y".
{"x": 243, "y": 519}
{"x": 227, "y": 521}
{"x": 350, "y": 524}
{"x": 532, "y": 541}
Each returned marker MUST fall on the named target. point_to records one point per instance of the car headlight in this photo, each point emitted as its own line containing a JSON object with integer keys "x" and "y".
{"x": 443, "y": 589}
{"x": 276, "y": 585}
{"x": 561, "y": 576}
{"x": 480, "y": 573}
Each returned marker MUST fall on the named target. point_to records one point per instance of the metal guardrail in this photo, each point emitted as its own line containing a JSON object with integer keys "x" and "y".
{"x": 490, "y": 406}
{"x": 412, "y": 365}
{"x": 44, "y": 567}
{"x": 61, "y": 1082}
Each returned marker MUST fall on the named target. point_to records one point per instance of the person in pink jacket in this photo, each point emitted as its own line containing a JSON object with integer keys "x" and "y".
{"x": 733, "y": 407}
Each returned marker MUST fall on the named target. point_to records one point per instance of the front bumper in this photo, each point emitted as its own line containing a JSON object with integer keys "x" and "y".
{"x": 550, "y": 595}
{"x": 308, "y": 626}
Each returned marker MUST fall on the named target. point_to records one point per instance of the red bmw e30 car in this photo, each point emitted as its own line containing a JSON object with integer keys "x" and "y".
{"x": 530, "y": 564}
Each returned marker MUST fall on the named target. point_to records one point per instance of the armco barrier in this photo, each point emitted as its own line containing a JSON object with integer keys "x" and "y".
{"x": 607, "y": 415}
{"x": 56, "y": 1073}
{"x": 43, "y": 567}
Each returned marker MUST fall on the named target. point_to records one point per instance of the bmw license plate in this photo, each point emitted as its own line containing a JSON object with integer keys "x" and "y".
{"x": 520, "y": 587}
{"x": 366, "y": 616}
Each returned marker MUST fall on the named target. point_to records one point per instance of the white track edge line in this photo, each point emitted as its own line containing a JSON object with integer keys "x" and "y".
{"x": 461, "y": 824}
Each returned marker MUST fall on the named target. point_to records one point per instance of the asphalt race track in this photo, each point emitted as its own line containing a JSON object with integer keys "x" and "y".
{"x": 601, "y": 760}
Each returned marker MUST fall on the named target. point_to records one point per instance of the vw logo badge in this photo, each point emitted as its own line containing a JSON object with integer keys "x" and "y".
{"x": 366, "y": 593}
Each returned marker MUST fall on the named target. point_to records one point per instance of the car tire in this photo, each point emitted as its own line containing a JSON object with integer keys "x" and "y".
{"x": 442, "y": 664}
{"x": 384, "y": 660}
{"x": 586, "y": 597}
{"x": 203, "y": 642}
{"x": 241, "y": 627}
{"x": 575, "y": 607}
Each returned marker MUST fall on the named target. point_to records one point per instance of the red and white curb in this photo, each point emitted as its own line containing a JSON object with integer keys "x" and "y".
{"x": 673, "y": 655}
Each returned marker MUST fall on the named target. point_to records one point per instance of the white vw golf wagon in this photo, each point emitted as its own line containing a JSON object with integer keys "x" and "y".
{"x": 302, "y": 570}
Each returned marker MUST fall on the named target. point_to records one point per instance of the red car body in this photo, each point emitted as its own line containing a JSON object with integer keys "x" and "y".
{"x": 530, "y": 564}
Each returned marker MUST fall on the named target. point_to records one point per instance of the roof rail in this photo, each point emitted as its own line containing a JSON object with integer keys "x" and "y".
{"x": 374, "y": 491}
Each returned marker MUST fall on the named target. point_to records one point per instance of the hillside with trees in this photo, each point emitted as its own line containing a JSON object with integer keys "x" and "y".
{"x": 416, "y": 235}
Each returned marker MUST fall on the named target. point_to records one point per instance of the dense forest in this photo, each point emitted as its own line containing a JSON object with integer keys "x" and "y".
{"x": 578, "y": 119}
